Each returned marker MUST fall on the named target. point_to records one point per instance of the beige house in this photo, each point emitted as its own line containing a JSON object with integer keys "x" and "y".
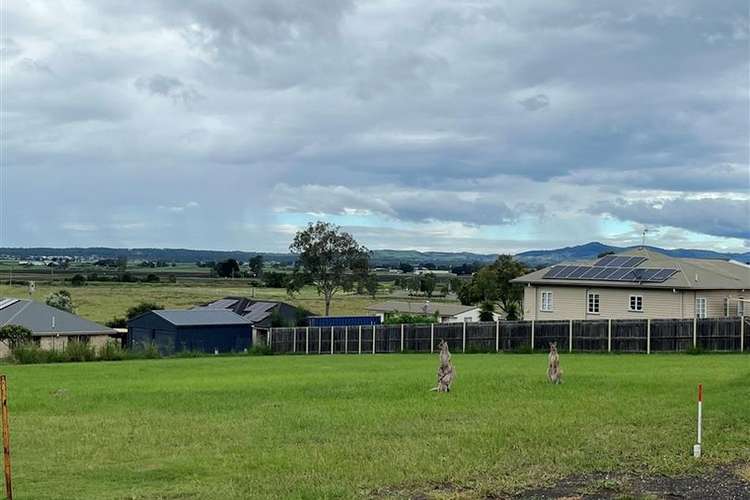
{"x": 637, "y": 284}
{"x": 52, "y": 328}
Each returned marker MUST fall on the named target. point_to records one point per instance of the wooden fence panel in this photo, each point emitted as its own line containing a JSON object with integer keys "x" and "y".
{"x": 480, "y": 337}
{"x": 629, "y": 335}
{"x": 551, "y": 331}
{"x": 719, "y": 334}
{"x": 417, "y": 338}
{"x": 515, "y": 335}
{"x": 590, "y": 336}
{"x": 452, "y": 333}
{"x": 671, "y": 335}
{"x": 388, "y": 338}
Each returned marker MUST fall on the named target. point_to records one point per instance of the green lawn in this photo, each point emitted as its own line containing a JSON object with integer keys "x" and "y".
{"x": 345, "y": 426}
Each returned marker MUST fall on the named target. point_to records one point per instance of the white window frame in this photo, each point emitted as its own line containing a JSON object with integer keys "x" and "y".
{"x": 593, "y": 299}
{"x": 701, "y": 311}
{"x": 726, "y": 307}
{"x": 740, "y": 306}
{"x": 634, "y": 301}
{"x": 547, "y": 305}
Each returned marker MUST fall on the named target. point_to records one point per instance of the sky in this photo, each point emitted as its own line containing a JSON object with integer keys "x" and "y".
{"x": 484, "y": 126}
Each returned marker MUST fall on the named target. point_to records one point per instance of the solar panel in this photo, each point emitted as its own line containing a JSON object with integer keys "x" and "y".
{"x": 7, "y": 303}
{"x": 634, "y": 261}
{"x": 606, "y": 273}
{"x": 605, "y": 260}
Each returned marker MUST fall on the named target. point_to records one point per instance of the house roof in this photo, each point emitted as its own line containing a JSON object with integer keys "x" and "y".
{"x": 252, "y": 310}
{"x": 42, "y": 319}
{"x": 201, "y": 317}
{"x": 691, "y": 274}
{"x": 413, "y": 307}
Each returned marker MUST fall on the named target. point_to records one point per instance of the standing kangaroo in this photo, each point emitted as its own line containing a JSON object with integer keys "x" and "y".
{"x": 554, "y": 373}
{"x": 445, "y": 373}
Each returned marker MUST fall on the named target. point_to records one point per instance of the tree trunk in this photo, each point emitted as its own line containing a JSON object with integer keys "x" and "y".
{"x": 328, "y": 304}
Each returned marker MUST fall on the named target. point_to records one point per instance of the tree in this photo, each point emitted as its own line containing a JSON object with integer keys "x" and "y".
{"x": 371, "y": 284}
{"x": 227, "y": 268}
{"x": 326, "y": 257}
{"x": 405, "y": 267}
{"x": 78, "y": 280}
{"x": 487, "y": 311}
{"x": 256, "y": 265}
{"x": 275, "y": 279}
{"x": 122, "y": 263}
{"x": 141, "y": 308}
{"x": 152, "y": 278}
{"x": 493, "y": 282}
{"x": 427, "y": 284}
{"x": 60, "y": 300}
{"x": 455, "y": 284}
{"x": 14, "y": 335}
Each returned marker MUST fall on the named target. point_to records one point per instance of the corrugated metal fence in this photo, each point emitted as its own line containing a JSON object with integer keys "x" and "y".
{"x": 621, "y": 335}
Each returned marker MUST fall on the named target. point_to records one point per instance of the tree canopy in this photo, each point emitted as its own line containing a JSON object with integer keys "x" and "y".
{"x": 14, "y": 335}
{"x": 327, "y": 258}
{"x": 493, "y": 283}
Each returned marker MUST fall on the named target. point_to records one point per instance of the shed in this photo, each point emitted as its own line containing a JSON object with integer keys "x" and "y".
{"x": 205, "y": 330}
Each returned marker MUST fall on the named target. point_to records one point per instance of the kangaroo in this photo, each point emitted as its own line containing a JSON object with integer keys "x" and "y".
{"x": 554, "y": 373}
{"x": 445, "y": 373}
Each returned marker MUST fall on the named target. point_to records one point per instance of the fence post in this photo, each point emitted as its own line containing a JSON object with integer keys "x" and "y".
{"x": 6, "y": 436}
{"x": 331, "y": 340}
{"x": 270, "y": 342}
{"x": 320, "y": 340}
{"x": 695, "y": 332}
{"x": 742, "y": 333}
{"x": 359, "y": 343}
{"x": 648, "y": 336}
{"x": 432, "y": 337}
{"x": 346, "y": 339}
{"x": 294, "y": 340}
{"x": 609, "y": 335}
{"x": 373, "y": 339}
{"x": 570, "y": 335}
{"x": 463, "y": 342}
{"x": 402, "y": 337}
{"x": 532, "y": 335}
{"x": 307, "y": 340}
{"x": 497, "y": 335}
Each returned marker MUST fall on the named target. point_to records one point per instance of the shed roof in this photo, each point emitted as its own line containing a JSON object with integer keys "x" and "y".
{"x": 201, "y": 317}
{"x": 694, "y": 274}
{"x": 413, "y": 307}
{"x": 42, "y": 319}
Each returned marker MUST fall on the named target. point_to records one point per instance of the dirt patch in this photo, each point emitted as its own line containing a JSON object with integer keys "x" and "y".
{"x": 730, "y": 482}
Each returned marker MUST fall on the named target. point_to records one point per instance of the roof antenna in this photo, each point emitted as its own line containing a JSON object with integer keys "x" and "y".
{"x": 643, "y": 237}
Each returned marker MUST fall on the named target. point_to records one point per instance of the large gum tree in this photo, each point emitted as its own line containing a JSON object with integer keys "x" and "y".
{"x": 327, "y": 258}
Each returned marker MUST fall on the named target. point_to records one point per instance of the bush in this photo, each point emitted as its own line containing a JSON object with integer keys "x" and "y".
{"x": 151, "y": 352}
{"x": 13, "y": 335}
{"x": 260, "y": 350}
{"x": 112, "y": 351}
{"x": 30, "y": 353}
{"x": 79, "y": 351}
{"x": 60, "y": 300}
{"x": 152, "y": 278}
{"x": 141, "y": 308}
{"x": 78, "y": 280}
{"x": 117, "y": 322}
{"x": 397, "y": 319}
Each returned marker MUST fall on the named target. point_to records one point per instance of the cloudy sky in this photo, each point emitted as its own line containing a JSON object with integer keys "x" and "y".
{"x": 444, "y": 125}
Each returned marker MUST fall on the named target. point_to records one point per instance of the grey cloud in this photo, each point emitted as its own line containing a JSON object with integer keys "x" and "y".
{"x": 9, "y": 48}
{"x": 728, "y": 218}
{"x": 535, "y": 103}
{"x": 167, "y": 86}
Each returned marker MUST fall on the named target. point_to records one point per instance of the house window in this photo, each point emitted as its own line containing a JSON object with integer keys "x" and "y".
{"x": 700, "y": 307}
{"x": 740, "y": 307}
{"x": 636, "y": 303}
{"x": 546, "y": 301}
{"x": 593, "y": 303}
{"x": 726, "y": 307}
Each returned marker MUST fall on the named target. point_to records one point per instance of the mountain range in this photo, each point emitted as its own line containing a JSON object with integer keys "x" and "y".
{"x": 533, "y": 258}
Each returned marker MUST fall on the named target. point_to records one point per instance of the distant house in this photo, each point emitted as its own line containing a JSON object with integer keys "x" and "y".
{"x": 204, "y": 330}
{"x": 446, "y": 313}
{"x": 51, "y": 328}
{"x": 637, "y": 284}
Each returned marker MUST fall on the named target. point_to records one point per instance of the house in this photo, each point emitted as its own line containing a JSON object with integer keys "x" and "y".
{"x": 446, "y": 313}
{"x": 261, "y": 313}
{"x": 205, "y": 330}
{"x": 51, "y": 328}
{"x": 636, "y": 284}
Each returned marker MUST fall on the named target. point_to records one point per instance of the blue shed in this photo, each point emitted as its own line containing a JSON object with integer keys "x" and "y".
{"x": 343, "y": 320}
{"x": 206, "y": 330}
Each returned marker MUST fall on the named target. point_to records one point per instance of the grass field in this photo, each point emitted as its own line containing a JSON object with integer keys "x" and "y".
{"x": 350, "y": 426}
{"x": 102, "y": 301}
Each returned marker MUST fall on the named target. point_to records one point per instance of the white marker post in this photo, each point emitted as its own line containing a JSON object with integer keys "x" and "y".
{"x": 697, "y": 446}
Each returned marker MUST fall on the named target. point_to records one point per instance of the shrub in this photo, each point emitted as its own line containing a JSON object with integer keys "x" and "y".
{"x": 152, "y": 278}
{"x": 31, "y": 353}
{"x": 151, "y": 352}
{"x": 13, "y": 335}
{"x": 397, "y": 319}
{"x": 112, "y": 351}
{"x": 60, "y": 300}
{"x": 78, "y": 280}
{"x": 79, "y": 351}
{"x": 117, "y": 322}
{"x": 260, "y": 350}
{"x": 141, "y": 308}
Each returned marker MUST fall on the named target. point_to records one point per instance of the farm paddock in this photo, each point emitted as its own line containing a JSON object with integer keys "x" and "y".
{"x": 364, "y": 426}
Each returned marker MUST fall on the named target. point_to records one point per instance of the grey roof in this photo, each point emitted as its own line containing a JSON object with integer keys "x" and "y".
{"x": 414, "y": 307}
{"x": 201, "y": 317}
{"x": 40, "y": 318}
{"x": 692, "y": 274}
